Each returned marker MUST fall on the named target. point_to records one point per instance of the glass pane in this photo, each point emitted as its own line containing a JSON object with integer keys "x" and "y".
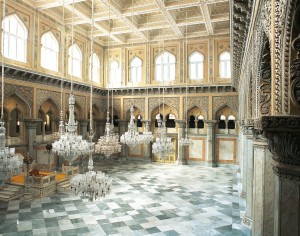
{"x": 12, "y": 48}
{"x": 172, "y": 72}
{"x": 158, "y": 73}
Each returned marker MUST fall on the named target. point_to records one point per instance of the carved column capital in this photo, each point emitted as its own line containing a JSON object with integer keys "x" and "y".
{"x": 31, "y": 123}
{"x": 210, "y": 123}
{"x": 181, "y": 123}
{"x": 283, "y": 135}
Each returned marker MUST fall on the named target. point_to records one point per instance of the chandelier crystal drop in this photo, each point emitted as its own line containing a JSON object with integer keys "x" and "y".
{"x": 163, "y": 146}
{"x": 109, "y": 142}
{"x": 10, "y": 163}
{"x": 71, "y": 145}
{"x": 131, "y": 138}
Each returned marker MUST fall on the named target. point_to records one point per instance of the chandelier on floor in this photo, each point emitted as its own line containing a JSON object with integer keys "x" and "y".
{"x": 10, "y": 163}
{"x": 109, "y": 142}
{"x": 92, "y": 184}
{"x": 70, "y": 145}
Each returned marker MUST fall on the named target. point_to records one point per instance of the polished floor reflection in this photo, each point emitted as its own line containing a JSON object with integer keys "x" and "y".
{"x": 147, "y": 199}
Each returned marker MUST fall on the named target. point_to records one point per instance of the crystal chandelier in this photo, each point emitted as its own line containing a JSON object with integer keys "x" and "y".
{"x": 70, "y": 145}
{"x": 92, "y": 184}
{"x": 131, "y": 138}
{"x": 163, "y": 145}
{"x": 185, "y": 141}
{"x": 147, "y": 135}
{"x": 10, "y": 164}
{"x": 109, "y": 142}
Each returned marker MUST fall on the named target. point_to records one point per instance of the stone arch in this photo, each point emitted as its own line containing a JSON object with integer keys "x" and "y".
{"x": 164, "y": 109}
{"x": 15, "y": 100}
{"x": 223, "y": 108}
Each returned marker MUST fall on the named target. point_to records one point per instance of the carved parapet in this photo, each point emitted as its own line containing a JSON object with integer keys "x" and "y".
{"x": 283, "y": 134}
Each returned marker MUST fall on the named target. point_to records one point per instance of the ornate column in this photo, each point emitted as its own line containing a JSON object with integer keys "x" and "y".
{"x": 83, "y": 128}
{"x": 263, "y": 188}
{"x": 122, "y": 129}
{"x": 283, "y": 135}
{"x": 31, "y": 131}
{"x": 210, "y": 143}
{"x": 147, "y": 147}
{"x": 248, "y": 171}
{"x": 181, "y": 149}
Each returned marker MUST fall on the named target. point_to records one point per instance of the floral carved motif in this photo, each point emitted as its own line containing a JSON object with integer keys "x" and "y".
{"x": 43, "y": 95}
{"x": 201, "y": 102}
{"x": 231, "y": 101}
{"x": 138, "y": 103}
{"x": 170, "y": 101}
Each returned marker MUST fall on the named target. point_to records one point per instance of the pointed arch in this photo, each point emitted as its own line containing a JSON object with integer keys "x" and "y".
{"x": 196, "y": 66}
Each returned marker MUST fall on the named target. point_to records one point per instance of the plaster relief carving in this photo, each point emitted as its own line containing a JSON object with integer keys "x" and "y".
{"x": 231, "y": 101}
{"x": 172, "y": 102}
{"x": 139, "y": 103}
{"x": 43, "y": 95}
{"x": 201, "y": 102}
{"x": 265, "y": 81}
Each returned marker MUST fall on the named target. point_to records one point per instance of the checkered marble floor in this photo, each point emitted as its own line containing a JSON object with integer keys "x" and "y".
{"x": 147, "y": 199}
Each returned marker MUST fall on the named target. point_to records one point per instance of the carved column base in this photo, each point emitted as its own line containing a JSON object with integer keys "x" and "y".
{"x": 243, "y": 195}
{"x": 247, "y": 221}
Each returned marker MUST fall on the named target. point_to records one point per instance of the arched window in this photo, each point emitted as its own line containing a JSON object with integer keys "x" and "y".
{"x": 114, "y": 74}
{"x": 170, "y": 121}
{"x": 75, "y": 61}
{"x": 200, "y": 122}
{"x": 192, "y": 122}
{"x": 139, "y": 122}
{"x": 158, "y": 118}
{"x": 96, "y": 67}
{"x": 231, "y": 122}
{"x": 49, "y": 51}
{"x": 15, "y": 38}
{"x": 196, "y": 62}
{"x": 222, "y": 123}
{"x": 136, "y": 70}
{"x": 165, "y": 67}
{"x": 225, "y": 68}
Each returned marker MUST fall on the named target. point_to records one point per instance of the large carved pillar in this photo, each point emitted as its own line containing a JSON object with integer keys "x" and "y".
{"x": 283, "y": 134}
{"x": 31, "y": 131}
{"x": 248, "y": 171}
{"x": 263, "y": 188}
{"x": 122, "y": 130}
{"x": 210, "y": 143}
{"x": 181, "y": 149}
{"x": 147, "y": 147}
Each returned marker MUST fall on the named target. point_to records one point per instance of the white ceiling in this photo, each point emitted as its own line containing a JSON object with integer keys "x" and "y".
{"x": 139, "y": 21}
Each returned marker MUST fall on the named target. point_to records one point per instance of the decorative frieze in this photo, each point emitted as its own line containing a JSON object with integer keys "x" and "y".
{"x": 138, "y": 103}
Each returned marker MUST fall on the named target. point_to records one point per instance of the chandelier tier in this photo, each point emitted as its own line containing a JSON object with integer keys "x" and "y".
{"x": 10, "y": 163}
{"x": 109, "y": 142}
{"x": 70, "y": 145}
